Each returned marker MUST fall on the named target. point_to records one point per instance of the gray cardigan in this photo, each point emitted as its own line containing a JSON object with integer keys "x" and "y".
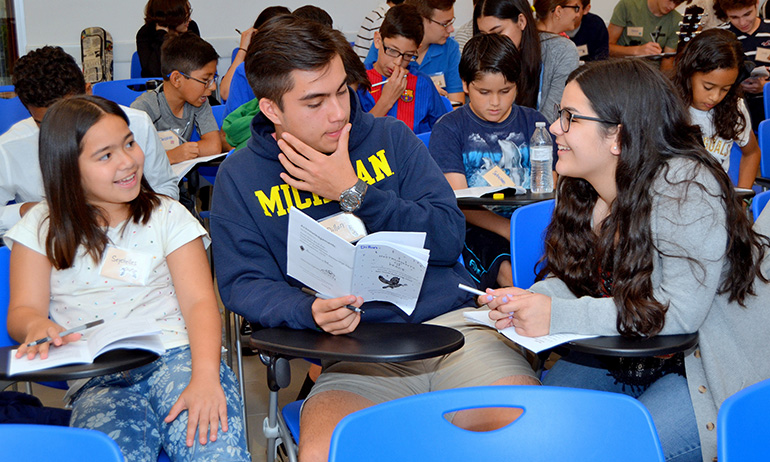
{"x": 732, "y": 339}
{"x": 559, "y": 57}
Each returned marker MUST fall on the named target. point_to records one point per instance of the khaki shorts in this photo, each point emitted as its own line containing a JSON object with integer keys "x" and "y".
{"x": 486, "y": 357}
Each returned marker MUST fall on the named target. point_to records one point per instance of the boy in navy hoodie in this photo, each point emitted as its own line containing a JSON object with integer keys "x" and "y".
{"x": 330, "y": 155}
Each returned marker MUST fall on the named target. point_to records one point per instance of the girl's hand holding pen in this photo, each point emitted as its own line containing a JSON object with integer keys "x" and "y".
{"x": 46, "y": 328}
{"x": 528, "y": 312}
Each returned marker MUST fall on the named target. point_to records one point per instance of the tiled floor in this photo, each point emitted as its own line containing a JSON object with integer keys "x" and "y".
{"x": 256, "y": 398}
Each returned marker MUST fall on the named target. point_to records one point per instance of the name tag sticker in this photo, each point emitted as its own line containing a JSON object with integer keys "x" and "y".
{"x": 582, "y": 50}
{"x": 169, "y": 139}
{"x": 124, "y": 265}
{"x": 497, "y": 177}
{"x": 438, "y": 79}
{"x": 763, "y": 54}
{"x": 345, "y": 225}
{"x": 635, "y": 31}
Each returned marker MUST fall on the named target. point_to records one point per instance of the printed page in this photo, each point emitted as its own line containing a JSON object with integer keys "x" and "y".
{"x": 533, "y": 344}
{"x": 391, "y": 270}
{"x": 317, "y": 257}
{"x": 183, "y": 168}
{"x": 71, "y": 353}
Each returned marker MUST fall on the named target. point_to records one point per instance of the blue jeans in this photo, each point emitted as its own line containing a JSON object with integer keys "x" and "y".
{"x": 667, "y": 399}
{"x": 130, "y": 407}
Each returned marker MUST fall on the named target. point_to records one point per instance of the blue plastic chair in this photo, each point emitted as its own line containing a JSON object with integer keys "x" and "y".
{"x": 425, "y": 138}
{"x": 33, "y": 443}
{"x": 557, "y": 424}
{"x": 763, "y": 138}
{"x": 743, "y": 425}
{"x": 121, "y": 91}
{"x": 735, "y": 163}
{"x": 528, "y": 224}
{"x": 447, "y": 103}
{"x": 766, "y": 98}
{"x": 136, "y": 66}
{"x": 219, "y": 114}
{"x": 758, "y": 203}
{"x": 11, "y": 110}
{"x": 5, "y": 262}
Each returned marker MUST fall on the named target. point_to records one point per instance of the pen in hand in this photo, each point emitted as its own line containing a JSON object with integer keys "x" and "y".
{"x": 312, "y": 292}
{"x": 67, "y": 332}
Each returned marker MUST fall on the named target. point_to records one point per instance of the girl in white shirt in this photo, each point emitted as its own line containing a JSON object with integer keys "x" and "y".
{"x": 105, "y": 246}
{"x": 708, "y": 75}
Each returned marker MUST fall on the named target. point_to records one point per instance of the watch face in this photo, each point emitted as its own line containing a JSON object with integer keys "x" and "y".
{"x": 350, "y": 200}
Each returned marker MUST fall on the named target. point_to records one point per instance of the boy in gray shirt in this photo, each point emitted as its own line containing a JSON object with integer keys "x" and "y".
{"x": 180, "y": 105}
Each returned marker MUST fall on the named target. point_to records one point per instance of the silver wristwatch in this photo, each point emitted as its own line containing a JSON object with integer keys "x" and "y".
{"x": 351, "y": 198}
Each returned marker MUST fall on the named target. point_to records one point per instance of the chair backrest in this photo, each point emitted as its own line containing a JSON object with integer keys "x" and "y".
{"x": 766, "y": 97}
{"x": 219, "y": 114}
{"x": 763, "y": 138}
{"x": 424, "y": 137}
{"x": 5, "y": 261}
{"x": 758, "y": 203}
{"x": 557, "y": 424}
{"x": 743, "y": 425}
{"x": 528, "y": 225}
{"x": 28, "y": 443}
{"x": 121, "y": 91}
{"x": 447, "y": 103}
{"x": 11, "y": 111}
{"x": 735, "y": 162}
{"x": 136, "y": 66}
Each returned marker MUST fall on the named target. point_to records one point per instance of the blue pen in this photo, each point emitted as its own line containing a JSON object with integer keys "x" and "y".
{"x": 312, "y": 292}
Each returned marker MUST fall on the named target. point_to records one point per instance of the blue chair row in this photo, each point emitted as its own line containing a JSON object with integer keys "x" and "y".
{"x": 11, "y": 110}
{"x": 122, "y": 91}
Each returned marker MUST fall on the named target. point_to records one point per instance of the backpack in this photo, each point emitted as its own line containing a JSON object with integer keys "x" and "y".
{"x": 96, "y": 54}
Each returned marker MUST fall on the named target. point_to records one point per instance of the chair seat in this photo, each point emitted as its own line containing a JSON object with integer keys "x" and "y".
{"x": 290, "y": 414}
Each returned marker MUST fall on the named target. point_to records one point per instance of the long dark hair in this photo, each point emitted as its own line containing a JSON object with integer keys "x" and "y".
{"x": 529, "y": 83}
{"x": 711, "y": 50}
{"x": 623, "y": 246}
{"x": 72, "y": 221}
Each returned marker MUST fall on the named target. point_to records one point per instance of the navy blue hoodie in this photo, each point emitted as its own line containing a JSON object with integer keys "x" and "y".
{"x": 407, "y": 192}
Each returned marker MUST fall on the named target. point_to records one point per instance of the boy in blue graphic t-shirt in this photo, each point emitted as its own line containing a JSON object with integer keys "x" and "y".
{"x": 489, "y": 132}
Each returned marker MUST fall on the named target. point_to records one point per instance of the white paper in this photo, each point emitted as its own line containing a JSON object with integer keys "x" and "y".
{"x": 479, "y": 191}
{"x": 140, "y": 333}
{"x": 183, "y": 168}
{"x": 534, "y": 344}
{"x": 384, "y": 266}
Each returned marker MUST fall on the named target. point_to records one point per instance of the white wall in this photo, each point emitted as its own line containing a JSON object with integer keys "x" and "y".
{"x": 59, "y": 22}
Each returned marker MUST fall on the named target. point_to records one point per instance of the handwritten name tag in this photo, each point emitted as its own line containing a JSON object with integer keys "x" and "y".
{"x": 635, "y": 31}
{"x": 345, "y": 225}
{"x": 124, "y": 265}
{"x": 763, "y": 54}
{"x": 497, "y": 177}
{"x": 169, "y": 139}
{"x": 438, "y": 79}
{"x": 582, "y": 50}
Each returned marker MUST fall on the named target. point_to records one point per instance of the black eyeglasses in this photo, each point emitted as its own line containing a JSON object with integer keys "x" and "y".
{"x": 443, "y": 24}
{"x": 565, "y": 118}
{"x": 393, "y": 53}
{"x": 574, "y": 7}
{"x": 206, "y": 83}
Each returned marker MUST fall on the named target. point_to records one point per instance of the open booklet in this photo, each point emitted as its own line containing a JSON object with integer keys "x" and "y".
{"x": 183, "y": 168}
{"x": 384, "y": 266}
{"x": 533, "y": 344}
{"x": 140, "y": 333}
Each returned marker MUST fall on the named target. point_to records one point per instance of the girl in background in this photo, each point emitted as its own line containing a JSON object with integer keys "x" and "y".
{"x": 708, "y": 75}
{"x": 99, "y": 208}
{"x": 161, "y": 18}
{"x": 647, "y": 238}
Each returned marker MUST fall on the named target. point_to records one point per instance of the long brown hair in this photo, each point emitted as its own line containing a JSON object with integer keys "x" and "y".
{"x": 72, "y": 221}
{"x": 631, "y": 94}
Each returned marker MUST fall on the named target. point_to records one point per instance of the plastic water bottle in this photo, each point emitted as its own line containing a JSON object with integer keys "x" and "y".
{"x": 541, "y": 159}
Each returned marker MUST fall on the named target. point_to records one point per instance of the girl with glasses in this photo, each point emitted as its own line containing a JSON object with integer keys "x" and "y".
{"x": 558, "y": 16}
{"x": 647, "y": 238}
{"x": 547, "y": 59}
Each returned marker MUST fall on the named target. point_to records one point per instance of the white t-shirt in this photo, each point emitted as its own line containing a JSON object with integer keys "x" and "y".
{"x": 716, "y": 146}
{"x": 80, "y": 293}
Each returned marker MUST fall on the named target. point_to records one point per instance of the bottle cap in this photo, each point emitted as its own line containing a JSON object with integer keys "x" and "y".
{"x": 539, "y": 124}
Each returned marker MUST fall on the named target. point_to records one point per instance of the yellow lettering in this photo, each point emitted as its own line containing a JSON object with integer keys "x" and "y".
{"x": 380, "y": 165}
{"x": 318, "y": 200}
{"x": 273, "y": 204}
{"x": 298, "y": 200}
{"x": 286, "y": 189}
{"x": 362, "y": 173}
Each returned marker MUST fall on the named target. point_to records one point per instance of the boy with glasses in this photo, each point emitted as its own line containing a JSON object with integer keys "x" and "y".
{"x": 590, "y": 36}
{"x": 180, "y": 105}
{"x": 411, "y": 98}
{"x": 438, "y": 54}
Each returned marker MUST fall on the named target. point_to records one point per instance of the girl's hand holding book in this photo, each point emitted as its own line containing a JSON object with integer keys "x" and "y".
{"x": 44, "y": 328}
